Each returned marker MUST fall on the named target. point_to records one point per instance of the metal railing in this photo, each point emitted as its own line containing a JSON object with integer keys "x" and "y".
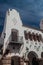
{"x": 18, "y": 40}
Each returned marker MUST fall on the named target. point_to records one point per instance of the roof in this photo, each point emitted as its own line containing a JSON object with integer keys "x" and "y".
{"x": 33, "y": 28}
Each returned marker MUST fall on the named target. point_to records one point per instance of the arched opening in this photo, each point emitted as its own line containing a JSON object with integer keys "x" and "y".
{"x": 42, "y": 54}
{"x": 15, "y": 60}
{"x": 32, "y": 55}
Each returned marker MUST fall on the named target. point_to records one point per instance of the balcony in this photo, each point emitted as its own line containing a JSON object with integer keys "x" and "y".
{"x": 14, "y": 43}
{"x": 19, "y": 39}
{"x": 15, "y": 40}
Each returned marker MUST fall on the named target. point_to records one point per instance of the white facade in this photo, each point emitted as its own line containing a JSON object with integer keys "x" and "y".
{"x": 13, "y": 21}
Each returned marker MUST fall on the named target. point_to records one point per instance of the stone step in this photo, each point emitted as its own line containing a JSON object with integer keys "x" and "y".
{"x": 6, "y": 64}
{"x": 6, "y": 61}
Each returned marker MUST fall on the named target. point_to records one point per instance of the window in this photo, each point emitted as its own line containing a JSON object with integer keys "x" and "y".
{"x": 4, "y": 35}
{"x": 26, "y": 35}
{"x": 40, "y": 37}
{"x": 37, "y": 36}
{"x": 14, "y": 34}
{"x": 30, "y": 35}
{"x": 34, "y": 36}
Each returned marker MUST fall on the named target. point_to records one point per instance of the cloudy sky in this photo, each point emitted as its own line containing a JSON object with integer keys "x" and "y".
{"x": 31, "y": 11}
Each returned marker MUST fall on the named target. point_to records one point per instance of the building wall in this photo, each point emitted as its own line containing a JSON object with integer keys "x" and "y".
{"x": 31, "y": 44}
{"x": 13, "y": 21}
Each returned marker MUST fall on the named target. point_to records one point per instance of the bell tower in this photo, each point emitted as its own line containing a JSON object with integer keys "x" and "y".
{"x": 12, "y": 21}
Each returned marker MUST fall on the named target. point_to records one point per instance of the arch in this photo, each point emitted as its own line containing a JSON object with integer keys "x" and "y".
{"x": 15, "y": 60}
{"x": 32, "y": 55}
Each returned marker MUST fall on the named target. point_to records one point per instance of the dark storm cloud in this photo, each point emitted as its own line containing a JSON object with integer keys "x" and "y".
{"x": 31, "y": 11}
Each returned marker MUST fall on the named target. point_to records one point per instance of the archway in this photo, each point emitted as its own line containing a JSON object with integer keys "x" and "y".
{"x": 15, "y": 60}
{"x": 32, "y": 55}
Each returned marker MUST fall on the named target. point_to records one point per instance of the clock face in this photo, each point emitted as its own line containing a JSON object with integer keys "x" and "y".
{"x": 14, "y": 20}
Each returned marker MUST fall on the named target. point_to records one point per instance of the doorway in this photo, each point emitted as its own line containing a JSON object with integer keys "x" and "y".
{"x": 12, "y": 62}
{"x": 32, "y": 57}
{"x": 15, "y": 61}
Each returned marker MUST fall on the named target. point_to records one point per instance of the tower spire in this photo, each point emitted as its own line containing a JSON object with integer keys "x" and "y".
{"x": 41, "y": 24}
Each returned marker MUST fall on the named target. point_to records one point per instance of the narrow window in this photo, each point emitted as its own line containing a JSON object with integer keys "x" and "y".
{"x": 40, "y": 37}
{"x": 37, "y": 36}
{"x": 26, "y": 35}
{"x": 14, "y": 34}
{"x": 34, "y": 36}
{"x": 30, "y": 35}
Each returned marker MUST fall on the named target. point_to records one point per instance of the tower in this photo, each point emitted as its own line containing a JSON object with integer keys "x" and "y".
{"x": 12, "y": 21}
{"x": 41, "y": 24}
